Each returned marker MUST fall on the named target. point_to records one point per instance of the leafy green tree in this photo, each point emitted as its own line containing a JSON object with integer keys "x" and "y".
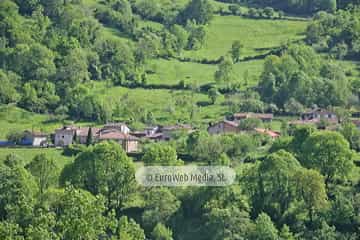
{"x": 44, "y": 170}
{"x": 311, "y": 189}
{"x": 235, "y": 9}
{"x": 8, "y": 87}
{"x": 148, "y": 9}
{"x": 73, "y": 69}
{"x": 309, "y": 82}
{"x": 269, "y": 184}
{"x": 209, "y": 149}
{"x": 85, "y": 30}
{"x": 39, "y": 96}
{"x": 227, "y": 214}
{"x": 329, "y": 153}
{"x": 17, "y": 194}
{"x": 235, "y": 51}
{"x": 249, "y": 124}
{"x": 238, "y": 145}
{"x": 117, "y": 60}
{"x": 325, "y": 232}
{"x": 13, "y": 29}
{"x": 197, "y": 35}
{"x": 340, "y": 50}
{"x": 213, "y": 94}
{"x": 181, "y": 35}
{"x": 160, "y": 205}
{"x": 160, "y": 154}
{"x": 251, "y": 104}
{"x": 53, "y": 8}
{"x": 194, "y": 139}
{"x": 103, "y": 169}
{"x": 27, "y": 6}
{"x": 294, "y": 107}
{"x": 42, "y": 226}
{"x": 80, "y": 215}
{"x": 286, "y": 234}
{"x": 282, "y": 143}
{"x": 130, "y": 230}
{"x": 89, "y": 138}
{"x": 10, "y": 231}
{"x": 269, "y": 12}
{"x": 225, "y": 72}
{"x": 41, "y": 23}
{"x": 351, "y": 133}
{"x": 33, "y": 62}
{"x": 342, "y": 212}
{"x": 300, "y": 135}
{"x": 264, "y": 228}
{"x": 161, "y": 232}
{"x": 201, "y": 11}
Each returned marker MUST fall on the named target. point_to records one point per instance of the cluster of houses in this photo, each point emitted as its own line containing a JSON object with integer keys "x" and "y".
{"x": 129, "y": 140}
{"x": 232, "y": 125}
{"x": 312, "y": 117}
{"x": 118, "y": 132}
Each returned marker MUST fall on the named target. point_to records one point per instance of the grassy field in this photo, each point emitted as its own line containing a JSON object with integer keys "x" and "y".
{"x": 13, "y": 118}
{"x": 159, "y": 101}
{"x": 27, "y": 154}
{"x": 170, "y": 72}
{"x": 257, "y": 36}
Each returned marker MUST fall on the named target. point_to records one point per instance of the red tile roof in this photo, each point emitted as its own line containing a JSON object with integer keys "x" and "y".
{"x": 231, "y": 123}
{"x": 272, "y": 134}
{"x": 115, "y": 135}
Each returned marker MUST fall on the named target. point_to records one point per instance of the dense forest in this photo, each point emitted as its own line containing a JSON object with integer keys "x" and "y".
{"x": 58, "y": 58}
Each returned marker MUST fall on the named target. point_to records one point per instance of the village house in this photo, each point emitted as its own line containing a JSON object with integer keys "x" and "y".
{"x": 128, "y": 142}
{"x": 82, "y": 134}
{"x": 36, "y": 139}
{"x": 224, "y": 127}
{"x": 122, "y": 127}
{"x": 268, "y": 132}
{"x": 147, "y": 132}
{"x": 318, "y": 114}
{"x": 64, "y": 136}
{"x": 265, "y": 117}
{"x": 315, "y": 116}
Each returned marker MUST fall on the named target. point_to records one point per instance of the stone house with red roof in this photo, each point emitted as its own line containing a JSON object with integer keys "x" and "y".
{"x": 223, "y": 127}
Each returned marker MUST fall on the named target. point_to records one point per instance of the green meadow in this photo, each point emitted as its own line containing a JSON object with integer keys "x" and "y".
{"x": 258, "y": 36}
{"x": 171, "y": 72}
{"x": 25, "y": 155}
{"x": 16, "y": 119}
